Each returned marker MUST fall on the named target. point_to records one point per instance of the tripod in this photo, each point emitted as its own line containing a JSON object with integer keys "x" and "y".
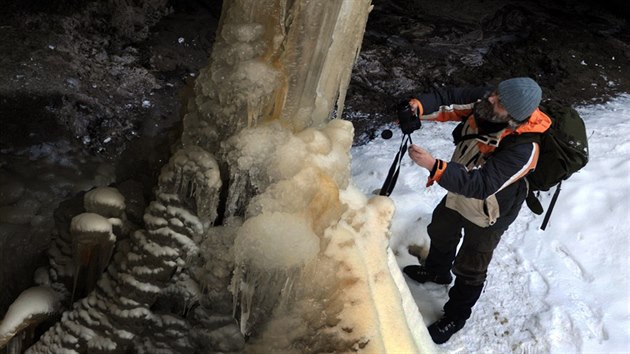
{"x": 394, "y": 169}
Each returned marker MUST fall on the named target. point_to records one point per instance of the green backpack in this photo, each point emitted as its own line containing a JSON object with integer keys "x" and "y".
{"x": 563, "y": 147}
{"x": 563, "y": 151}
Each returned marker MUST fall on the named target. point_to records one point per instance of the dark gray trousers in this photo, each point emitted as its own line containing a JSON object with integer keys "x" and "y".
{"x": 470, "y": 264}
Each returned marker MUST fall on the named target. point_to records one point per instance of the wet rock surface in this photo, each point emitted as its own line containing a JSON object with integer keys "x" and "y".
{"x": 104, "y": 85}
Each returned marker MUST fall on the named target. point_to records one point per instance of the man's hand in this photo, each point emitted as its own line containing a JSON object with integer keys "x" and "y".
{"x": 421, "y": 157}
{"x": 416, "y": 106}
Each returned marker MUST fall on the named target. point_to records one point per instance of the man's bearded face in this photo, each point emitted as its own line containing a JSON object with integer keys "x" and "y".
{"x": 488, "y": 121}
{"x": 485, "y": 110}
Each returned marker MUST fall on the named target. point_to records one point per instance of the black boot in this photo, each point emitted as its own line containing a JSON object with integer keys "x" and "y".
{"x": 436, "y": 268}
{"x": 442, "y": 330}
{"x": 422, "y": 275}
{"x": 458, "y": 308}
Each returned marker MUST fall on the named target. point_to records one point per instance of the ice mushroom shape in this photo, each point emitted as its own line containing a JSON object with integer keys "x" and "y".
{"x": 32, "y": 306}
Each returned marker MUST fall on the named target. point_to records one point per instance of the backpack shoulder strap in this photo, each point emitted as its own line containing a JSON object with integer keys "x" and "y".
{"x": 517, "y": 139}
{"x": 457, "y": 132}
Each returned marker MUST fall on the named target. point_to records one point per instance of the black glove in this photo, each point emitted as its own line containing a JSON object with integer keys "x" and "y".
{"x": 407, "y": 118}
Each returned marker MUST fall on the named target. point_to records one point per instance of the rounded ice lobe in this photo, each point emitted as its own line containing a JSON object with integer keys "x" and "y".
{"x": 90, "y": 222}
{"x": 32, "y": 302}
{"x": 106, "y": 201}
{"x": 276, "y": 241}
{"x": 317, "y": 142}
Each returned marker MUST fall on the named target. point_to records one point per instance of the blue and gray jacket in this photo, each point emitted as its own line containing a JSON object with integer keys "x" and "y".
{"x": 484, "y": 181}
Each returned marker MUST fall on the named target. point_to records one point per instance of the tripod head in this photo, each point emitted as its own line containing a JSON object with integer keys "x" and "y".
{"x": 407, "y": 118}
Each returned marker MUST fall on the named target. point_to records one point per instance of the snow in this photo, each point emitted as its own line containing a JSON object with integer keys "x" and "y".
{"x": 146, "y": 270}
{"x": 31, "y": 302}
{"x": 90, "y": 222}
{"x": 187, "y": 244}
{"x": 153, "y": 248}
{"x": 412, "y": 315}
{"x": 103, "y": 196}
{"x": 101, "y": 344}
{"x": 190, "y": 220}
{"x": 565, "y": 289}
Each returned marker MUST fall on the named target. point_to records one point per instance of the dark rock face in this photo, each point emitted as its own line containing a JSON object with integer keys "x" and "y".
{"x": 111, "y": 81}
{"x": 577, "y": 52}
{"x": 102, "y": 80}
{"x": 105, "y": 74}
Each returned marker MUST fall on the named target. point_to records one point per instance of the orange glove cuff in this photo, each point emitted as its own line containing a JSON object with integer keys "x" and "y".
{"x": 436, "y": 172}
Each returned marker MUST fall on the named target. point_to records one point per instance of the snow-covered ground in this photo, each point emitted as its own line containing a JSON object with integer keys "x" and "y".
{"x": 563, "y": 290}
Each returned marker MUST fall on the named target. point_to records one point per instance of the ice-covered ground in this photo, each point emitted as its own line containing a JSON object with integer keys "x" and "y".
{"x": 563, "y": 290}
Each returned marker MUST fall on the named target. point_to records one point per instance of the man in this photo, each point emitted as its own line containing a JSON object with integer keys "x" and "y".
{"x": 485, "y": 185}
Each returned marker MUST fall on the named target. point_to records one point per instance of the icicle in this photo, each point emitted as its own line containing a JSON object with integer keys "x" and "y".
{"x": 246, "y": 300}
{"x": 92, "y": 247}
{"x": 235, "y": 289}
{"x": 195, "y": 176}
{"x": 179, "y": 176}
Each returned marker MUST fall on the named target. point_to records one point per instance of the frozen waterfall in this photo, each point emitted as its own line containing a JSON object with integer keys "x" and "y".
{"x": 257, "y": 241}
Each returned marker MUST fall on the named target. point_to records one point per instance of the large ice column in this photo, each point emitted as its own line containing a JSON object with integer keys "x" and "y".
{"x": 275, "y": 60}
{"x": 303, "y": 253}
{"x": 313, "y": 271}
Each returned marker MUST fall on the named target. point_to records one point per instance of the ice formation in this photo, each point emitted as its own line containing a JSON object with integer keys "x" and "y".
{"x": 90, "y": 223}
{"x": 92, "y": 246}
{"x": 105, "y": 201}
{"x": 276, "y": 241}
{"x": 32, "y": 306}
{"x": 301, "y": 257}
{"x": 110, "y": 317}
{"x": 275, "y": 60}
{"x": 312, "y": 271}
{"x": 194, "y": 172}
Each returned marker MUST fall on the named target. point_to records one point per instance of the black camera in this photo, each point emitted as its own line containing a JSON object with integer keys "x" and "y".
{"x": 407, "y": 118}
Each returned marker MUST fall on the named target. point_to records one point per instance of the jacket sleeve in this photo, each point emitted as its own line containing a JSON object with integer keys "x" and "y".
{"x": 433, "y": 100}
{"x": 501, "y": 169}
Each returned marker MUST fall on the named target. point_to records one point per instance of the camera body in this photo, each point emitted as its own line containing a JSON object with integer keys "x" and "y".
{"x": 407, "y": 118}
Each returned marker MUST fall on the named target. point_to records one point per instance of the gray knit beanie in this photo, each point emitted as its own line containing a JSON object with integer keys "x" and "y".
{"x": 520, "y": 96}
